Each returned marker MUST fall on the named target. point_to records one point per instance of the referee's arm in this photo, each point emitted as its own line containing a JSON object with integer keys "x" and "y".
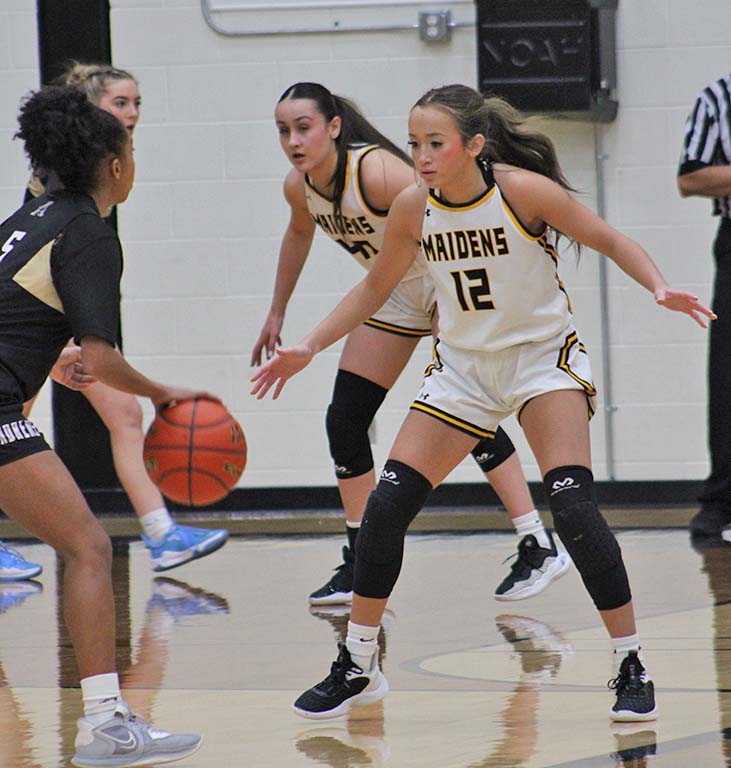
{"x": 699, "y": 174}
{"x": 711, "y": 181}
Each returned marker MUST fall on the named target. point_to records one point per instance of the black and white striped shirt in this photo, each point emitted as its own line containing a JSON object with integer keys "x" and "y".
{"x": 708, "y": 136}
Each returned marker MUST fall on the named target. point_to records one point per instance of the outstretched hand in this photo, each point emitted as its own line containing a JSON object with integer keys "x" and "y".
{"x": 682, "y": 301}
{"x": 284, "y": 365}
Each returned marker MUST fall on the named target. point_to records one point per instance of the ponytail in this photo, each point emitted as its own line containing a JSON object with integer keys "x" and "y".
{"x": 508, "y": 139}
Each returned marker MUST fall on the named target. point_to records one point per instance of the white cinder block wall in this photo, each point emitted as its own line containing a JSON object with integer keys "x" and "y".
{"x": 202, "y": 227}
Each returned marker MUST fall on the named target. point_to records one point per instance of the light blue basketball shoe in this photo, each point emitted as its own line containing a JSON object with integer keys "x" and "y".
{"x": 15, "y": 593}
{"x": 183, "y": 543}
{"x": 14, "y": 567}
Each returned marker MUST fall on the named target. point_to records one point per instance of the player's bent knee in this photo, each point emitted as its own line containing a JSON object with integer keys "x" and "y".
{"x": 400, "y": 494}
{"x": 354, "y": 403}
{"x": 490, "y": 453}
{"x": 350, "y": 447}
{"x": 587, "y": 537}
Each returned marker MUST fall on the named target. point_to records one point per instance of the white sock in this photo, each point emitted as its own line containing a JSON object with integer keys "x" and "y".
{"x": 100, "y": 694}
{"x": 157, "y": 523}
{"x": 621, "y": 646}
{"x": 531, "y": 523}
{"x": 352, "y": 531}
{"x": 362, "y": 643}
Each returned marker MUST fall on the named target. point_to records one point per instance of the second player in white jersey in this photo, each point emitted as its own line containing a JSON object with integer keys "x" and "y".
{"x": 358, "y": 227}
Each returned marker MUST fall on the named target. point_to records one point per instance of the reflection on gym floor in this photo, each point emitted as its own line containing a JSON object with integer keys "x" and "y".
{"x": 224, "y": 645}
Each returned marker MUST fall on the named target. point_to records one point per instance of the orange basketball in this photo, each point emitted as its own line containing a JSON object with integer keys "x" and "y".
{"x": 195, "y": 452}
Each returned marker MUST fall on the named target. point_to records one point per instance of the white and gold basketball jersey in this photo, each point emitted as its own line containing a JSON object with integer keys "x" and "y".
{"x": 496, "y": 284}
{"x": 360, "y": 229}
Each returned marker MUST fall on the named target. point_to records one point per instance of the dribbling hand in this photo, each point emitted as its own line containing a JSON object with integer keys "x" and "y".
{"x": 687, "y": 303}
{"x": 284, "y": 365}
{"x": 174, "y": 395}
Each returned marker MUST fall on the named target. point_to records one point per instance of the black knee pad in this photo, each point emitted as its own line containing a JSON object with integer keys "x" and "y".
{"x": 587, "y": 537}
{"x": 379, "y": 548}
{"x": 490, "y": 453}
{"x": 354, "y": 403}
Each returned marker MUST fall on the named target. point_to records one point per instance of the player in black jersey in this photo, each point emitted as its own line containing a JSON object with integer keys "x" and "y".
{"x": 60, "y": 267}
{"x": 169, "y": 543}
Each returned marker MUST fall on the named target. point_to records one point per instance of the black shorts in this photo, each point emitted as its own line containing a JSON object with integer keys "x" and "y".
{"x": 18, "y": 436}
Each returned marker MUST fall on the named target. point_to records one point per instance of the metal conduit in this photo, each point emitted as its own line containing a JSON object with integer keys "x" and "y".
{"x": 209, "y": 10}
{"x": 609, "y": 407}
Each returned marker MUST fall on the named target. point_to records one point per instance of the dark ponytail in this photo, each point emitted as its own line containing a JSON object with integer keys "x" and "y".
{"x": 63, "y": 132}
{"x": 507, "y": 138}
{"x": 354, "y": 129}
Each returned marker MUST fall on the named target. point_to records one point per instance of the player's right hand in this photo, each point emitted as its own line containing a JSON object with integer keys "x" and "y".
{"x": 276, "y": 372}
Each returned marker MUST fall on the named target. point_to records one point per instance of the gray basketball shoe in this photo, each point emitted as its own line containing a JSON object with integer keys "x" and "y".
{"x": 125, "y": 741}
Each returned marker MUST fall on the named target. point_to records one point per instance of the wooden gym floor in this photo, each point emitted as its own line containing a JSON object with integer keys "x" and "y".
{"x": 223, "y": 646}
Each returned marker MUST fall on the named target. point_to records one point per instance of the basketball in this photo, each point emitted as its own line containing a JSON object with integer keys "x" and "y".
{"x": 195, "y": 452}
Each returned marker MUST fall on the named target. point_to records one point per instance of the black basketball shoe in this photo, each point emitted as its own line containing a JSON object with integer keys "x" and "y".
{"x": 534, "y": 569}
{"x": 635, "y": 692}
{"x": 709, "y": 522}
{"x": 340, "y": 587}
{"x": 347, "y": 684}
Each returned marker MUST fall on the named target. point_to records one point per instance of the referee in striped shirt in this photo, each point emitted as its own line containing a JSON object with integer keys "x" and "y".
{"x": 705, "y": 171}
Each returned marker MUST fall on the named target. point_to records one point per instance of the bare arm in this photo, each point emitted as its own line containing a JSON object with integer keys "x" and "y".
{"x": 104, "y": 362}
{"x": 538, "y": 200}
{"x": 383, "y": 176}
{"x": 400, "y": 248}
{"x": 712, "y": 181}
{"x": 293, "y": 253}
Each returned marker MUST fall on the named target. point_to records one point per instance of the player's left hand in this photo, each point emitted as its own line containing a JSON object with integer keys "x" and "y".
{"x": 69, "y": 369}
{"x": 284, "y": 365}
{"x": 688, "y": 303}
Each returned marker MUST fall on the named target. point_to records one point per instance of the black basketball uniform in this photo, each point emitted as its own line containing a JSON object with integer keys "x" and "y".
{"x": 60, "y": 268}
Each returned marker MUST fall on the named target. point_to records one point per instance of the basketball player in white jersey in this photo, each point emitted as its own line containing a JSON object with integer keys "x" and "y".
{"x": 492, "y": 194}
{"x": 346, "y": 174}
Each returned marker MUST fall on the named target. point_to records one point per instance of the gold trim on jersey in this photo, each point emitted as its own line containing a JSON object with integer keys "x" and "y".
{"x": 468, "y": 207}
{"x": 397, "y": 329}
{"x": 35, "y": 186}
{"x": 550, "y": 249}
{"x": 519, "y": 225}
{"x": 35, "y": 277}
{"x": 563, "y": 363}
{"x": 453, "y": 421}
{"x": 356, "y": 186}
{"x": 437, "y": 365}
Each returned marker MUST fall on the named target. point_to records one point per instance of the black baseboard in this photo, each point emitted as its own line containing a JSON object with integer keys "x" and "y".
{"x": 620, "y": 493}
